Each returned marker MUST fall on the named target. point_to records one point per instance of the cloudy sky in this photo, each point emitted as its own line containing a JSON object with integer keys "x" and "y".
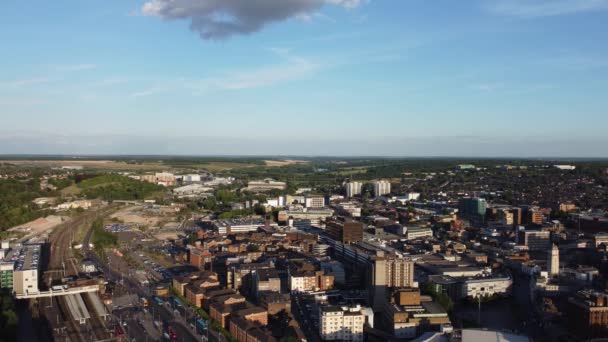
{"x": 314, "y": 77}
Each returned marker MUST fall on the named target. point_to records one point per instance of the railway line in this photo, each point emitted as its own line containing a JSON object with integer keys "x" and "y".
{"x": 61, "y": 264}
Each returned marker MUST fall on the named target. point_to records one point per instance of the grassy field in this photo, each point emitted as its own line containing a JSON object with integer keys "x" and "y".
{"x": 208, "y": 166}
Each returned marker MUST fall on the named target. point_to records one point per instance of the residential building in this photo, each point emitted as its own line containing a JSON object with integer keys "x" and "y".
{"x": 344, "y": 323}
{"x": 353, "y": 189}
{"x": 389, "y": 271}
{"x": 266, "y": 280}
{"x": 381, "y": 187}
{"x": 587, "y": 314}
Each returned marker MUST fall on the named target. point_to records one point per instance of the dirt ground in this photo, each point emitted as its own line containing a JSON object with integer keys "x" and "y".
{"x": 137, "y": 216}
{"x": 39, "y": 226}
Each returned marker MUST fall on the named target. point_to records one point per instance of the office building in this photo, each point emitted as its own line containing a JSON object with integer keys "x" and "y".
{"x": 343, "y": 323}
{"x": 314, "y": 201}
{"x": 485, "y": 286}
{"x": 413, "y": 233}
{"x": 344, "y": 230}
{"x": 536, "y": 216}
{"x": 381, "y": 187}
{"x": 236, "y": 226}
{"x": 535, "y": 240}
{"x": 349, "y": 209}
{"x": 353, "y": 189}
{"x": 472, "y": 207}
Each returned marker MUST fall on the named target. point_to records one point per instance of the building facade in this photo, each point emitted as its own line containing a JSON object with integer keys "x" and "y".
{"x": 381, "y": 187}
{"x": 353, "y": 189}
{"x": 341, "y": 323}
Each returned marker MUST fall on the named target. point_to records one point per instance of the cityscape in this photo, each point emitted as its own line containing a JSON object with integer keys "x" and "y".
{"x": 304, "y": 171}
{"x": 322, "y": 249}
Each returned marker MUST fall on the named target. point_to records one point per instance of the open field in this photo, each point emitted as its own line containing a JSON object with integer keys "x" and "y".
{"x": 284, "y": 162}
{"x": 91, "y": 164}
{"x": 208, "y": 166}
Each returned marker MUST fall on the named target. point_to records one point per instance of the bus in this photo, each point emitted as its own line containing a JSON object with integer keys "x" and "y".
{"x": 144, "y": 302}
{"x": 201, "y": 326}
{"x": 177, "y": 302}
{"x": 158, "y": 301}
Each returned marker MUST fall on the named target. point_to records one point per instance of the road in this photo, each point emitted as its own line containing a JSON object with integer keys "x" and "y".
{"x": 300, "y": 312}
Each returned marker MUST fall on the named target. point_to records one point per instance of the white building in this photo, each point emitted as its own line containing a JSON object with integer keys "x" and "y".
{"x": 265, "y": 185}
{"x": 553, "y": 262}
{"x": 83, "y": 204}
{"x": 353, "y": 188}
{"x": 349, "y": 208}
{"x": 237, "y": 226}
{"x": 418, "y": 233}
{"x": 191, "y": 190}
{"x": 314, "y": 201}
{"x": 475, "y": 287}
{"x": 341, "y": 323}
{"x": 193, "y": 178}
{"x": 276, "y": 202}
{"x": 381, "y": 187}
{"x": 565, "y": 167}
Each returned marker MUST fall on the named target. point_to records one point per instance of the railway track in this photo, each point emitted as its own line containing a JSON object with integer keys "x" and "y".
{"x": 62, "y": 264}
{"x": 61, "y": 256}
{"x": 98, "y": 327}
{"x": 72, "y": 329}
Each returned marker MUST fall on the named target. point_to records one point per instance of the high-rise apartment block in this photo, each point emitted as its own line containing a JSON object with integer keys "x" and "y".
{"x": 353, "y": 188}
{"x": 381, "y": 187}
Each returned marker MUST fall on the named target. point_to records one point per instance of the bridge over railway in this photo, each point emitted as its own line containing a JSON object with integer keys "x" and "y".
{"x": 58, "y": 292}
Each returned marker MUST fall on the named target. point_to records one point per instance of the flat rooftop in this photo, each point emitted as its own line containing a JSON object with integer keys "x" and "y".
{"x": 29, "y": 258}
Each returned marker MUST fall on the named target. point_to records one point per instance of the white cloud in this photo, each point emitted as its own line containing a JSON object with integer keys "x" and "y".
{"x": 544, "y": 8}
{"x": 220, "y": 19}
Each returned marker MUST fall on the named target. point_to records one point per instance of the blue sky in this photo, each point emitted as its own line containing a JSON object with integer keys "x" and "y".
{"x": 313, "y": 77}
